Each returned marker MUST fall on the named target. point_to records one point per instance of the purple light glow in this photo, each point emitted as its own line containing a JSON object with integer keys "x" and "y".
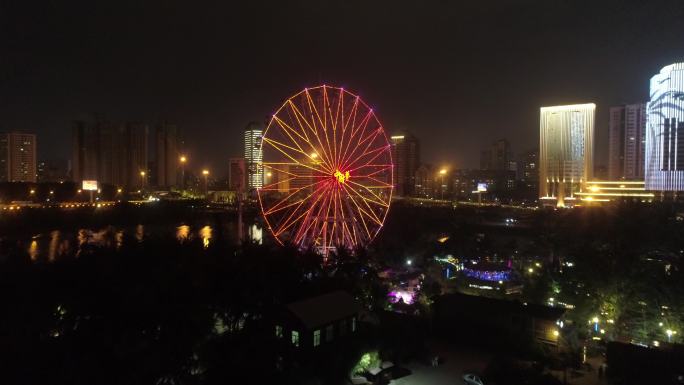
{"x": 407, "y": 297}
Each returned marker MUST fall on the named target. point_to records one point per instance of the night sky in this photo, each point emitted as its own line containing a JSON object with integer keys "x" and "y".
{"x": 456, "y": 73}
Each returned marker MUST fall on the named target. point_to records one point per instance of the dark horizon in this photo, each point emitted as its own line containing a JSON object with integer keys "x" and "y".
{"x": 457, "y": 76}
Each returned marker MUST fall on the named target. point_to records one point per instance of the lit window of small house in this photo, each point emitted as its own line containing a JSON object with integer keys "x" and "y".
{"x": 295, "y": 338}
{"x": 317, "y": 337}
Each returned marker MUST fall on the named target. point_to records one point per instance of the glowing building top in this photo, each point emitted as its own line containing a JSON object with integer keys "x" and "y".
{"x": 566, "y": 143}
{"x": 664, "y": 168}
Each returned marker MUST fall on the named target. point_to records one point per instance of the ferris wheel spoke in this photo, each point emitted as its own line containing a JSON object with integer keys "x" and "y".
{"x": 375, "y": 152}
{"x": 307, "y": 222}
{"x": 345, "y": 228}
{"x": 361, "y": 212}
{"x": 378, "y": 200}
{"x": 351, "y": 117}
{"x": 299, "y": 115}
{"x": 381, "y": 184}
{"x": 368, "y": 141}
{"x": 288, "y": 220}
{"x": 277, "y": 145}
{"x": 369, "y": 212}
{"x": 314, "y": 110}
{"x": 291, "y": 195}
{"x": 287, "y": 129}
{"x": 338, "y": 122}
{"x": 363, "y": 124}
{"x": 327, "y": 113}
{"x": 380, "y": 168}
{"x": 333, "y": 123}
{"x": 289, "y": 224}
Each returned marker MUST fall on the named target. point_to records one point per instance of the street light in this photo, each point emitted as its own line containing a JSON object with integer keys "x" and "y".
{"x": 442, "y": 172}
{"x": 669, "y": 334}
{"x": 142, "y": 179}
{"x": 183, "y": 160}
{"x": 206, "y": 181}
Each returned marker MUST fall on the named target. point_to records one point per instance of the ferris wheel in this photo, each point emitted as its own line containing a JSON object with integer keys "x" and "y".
{"x": 327, "y": 169}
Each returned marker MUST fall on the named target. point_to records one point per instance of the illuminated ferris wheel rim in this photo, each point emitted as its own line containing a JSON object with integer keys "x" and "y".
{"x": 333, "y": 168}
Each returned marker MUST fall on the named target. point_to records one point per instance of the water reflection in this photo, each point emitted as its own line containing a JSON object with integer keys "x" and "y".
{"x": 119, "y": 239}
{"x": 140, "y": 233}
{"x": 33, "y": 250}
{"x": 256, "y": 234}
{"x": 53, "y": 245}
{"x": 205, "y": 234}
{"x": 183, "y": 233}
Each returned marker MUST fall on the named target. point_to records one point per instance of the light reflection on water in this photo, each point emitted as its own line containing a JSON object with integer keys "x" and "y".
{"x": 140, "y": 233}
{"x": 183, "y": 233}
{"x": 52, "y": 245}
{"x": 205, "y": 233}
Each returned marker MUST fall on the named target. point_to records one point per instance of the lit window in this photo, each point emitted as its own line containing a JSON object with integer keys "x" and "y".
{"x": 353, "y": 324}
{"x": 279, "y": 331}
{"x": 328, "y": 333}
{"x": 317, "y": 338}
{"x": 295, "y": 338}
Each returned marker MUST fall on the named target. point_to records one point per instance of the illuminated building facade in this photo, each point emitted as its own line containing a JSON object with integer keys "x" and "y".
{"x": 665, "y": 131}
{"x": 598, "y": 192}
{"x": 565, "y": 151}
{"x": 627, "y": 142}
{"x": 406, "y": 158}
{"x": 254, "y": 155}
{"x": 18, "y": 157}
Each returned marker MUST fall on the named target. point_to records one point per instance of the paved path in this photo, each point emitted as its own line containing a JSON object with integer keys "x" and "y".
{"x": 454, "y": 363}
{"x": 457, "y": 361}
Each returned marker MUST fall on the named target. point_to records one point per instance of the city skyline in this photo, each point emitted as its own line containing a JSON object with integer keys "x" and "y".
{"x": 210, "y": 93}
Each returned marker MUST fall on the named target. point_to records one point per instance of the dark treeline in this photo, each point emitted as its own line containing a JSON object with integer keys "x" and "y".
{"x": 162, "y": 313}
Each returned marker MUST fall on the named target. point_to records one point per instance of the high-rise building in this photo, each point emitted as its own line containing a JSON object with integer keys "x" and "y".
{"x": 626, "y": 142}
{"x": 254, "y": 155}
{"x": 528, "y": 168}
{"x": 167, "y": 155}
{"x": 18, "y": 157}
{"x": 566, "y": 155}
{"x": 133, "y": 154}
{"x": 425, "y": 181}
{"x": 109, "y": 154}
{"x": 497, "y": 157}
{"x": 406, "y": 159}
{"x": 664, "y": 168}
{"x": 237, "y": 174}
{"x": 50, "y": 171}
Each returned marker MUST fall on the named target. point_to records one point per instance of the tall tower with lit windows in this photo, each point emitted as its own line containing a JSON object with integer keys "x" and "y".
{"x": 254, "y": 155}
